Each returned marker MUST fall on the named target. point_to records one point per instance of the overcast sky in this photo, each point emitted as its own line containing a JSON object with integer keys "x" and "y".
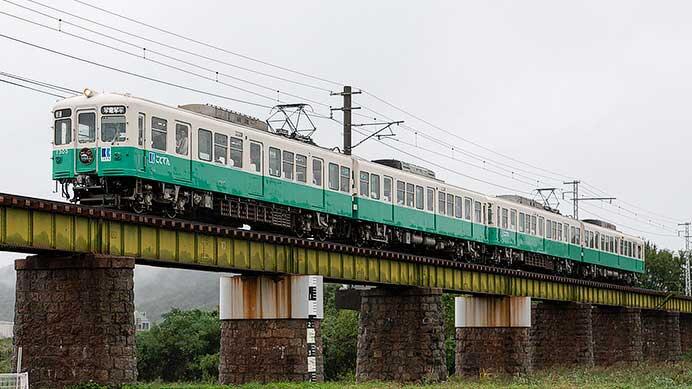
{"x": 594, "y": 90}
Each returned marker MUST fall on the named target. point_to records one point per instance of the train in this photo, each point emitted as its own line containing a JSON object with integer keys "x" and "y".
{"x": 201, "y": 161}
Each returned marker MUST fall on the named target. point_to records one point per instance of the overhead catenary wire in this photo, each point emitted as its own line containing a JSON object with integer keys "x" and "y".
{"x": 138, "y": 56}
{"x": 237, "y": 54}
{"x": 44, "y": 84}
{"x": 130, "y": 73}
{"x": 147, "y": 51}
{"x": 32, "y": 88}
{"x": 179, "y": 49}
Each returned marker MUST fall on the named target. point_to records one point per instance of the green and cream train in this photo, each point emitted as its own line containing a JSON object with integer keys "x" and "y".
{"x": 200, "y": 161}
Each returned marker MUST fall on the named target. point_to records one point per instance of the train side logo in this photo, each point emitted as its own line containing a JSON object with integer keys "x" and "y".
{"x": 159, "y": 159}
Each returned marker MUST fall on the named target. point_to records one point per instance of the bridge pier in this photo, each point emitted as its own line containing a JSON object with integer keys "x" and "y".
{"x": 493, "y": 335}
{"x": 401, "y": 335}
{"x": 617, "y": 335}
{"x": 685, "y": 333}
{"x": 270, "y": 329}
{"x": 561, "y": 334}
{"x": 74, "y": 320}
{"x": 661, "y": 335}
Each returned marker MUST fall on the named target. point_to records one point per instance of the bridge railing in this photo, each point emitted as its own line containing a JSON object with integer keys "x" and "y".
{"x": 14, "y": 381}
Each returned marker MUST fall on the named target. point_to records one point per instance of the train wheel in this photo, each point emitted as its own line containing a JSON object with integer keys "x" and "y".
{"x": 170, "y": 212}
{"x": 137, "y": 207}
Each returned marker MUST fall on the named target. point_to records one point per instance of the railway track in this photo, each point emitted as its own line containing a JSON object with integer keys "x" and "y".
{"x": 59, "y": 207}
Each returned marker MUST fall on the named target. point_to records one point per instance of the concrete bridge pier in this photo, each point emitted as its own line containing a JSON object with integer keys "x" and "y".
{"x": 270, "y": 329}
{"x": 493, "y": 335}
{"x": 74, "y": 320}
{"x": 661, "y": 335}
{"x": 401, "y": 335}
{"x": 561, "y": 334}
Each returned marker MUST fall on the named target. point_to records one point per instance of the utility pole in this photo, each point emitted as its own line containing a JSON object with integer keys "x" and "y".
{"x": 688, "y": 276}
{"x": 576, "y": 199}
{"x": 347, "y": 108}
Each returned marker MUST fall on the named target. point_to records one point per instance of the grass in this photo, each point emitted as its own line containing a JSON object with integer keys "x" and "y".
{"x": 5, "y": 355}
{"x": 645, "y": 375}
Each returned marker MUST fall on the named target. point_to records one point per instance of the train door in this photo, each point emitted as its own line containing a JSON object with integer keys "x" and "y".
{"x": 256, "y": 180}
{"x": 86, "y": 142}
{"x": 142, "y": 141}
{"x": 182, "y": 164}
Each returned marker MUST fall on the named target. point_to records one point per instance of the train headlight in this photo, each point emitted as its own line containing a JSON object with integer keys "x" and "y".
{"x": 86, "y": 156}
{"x": 88, "y": 93}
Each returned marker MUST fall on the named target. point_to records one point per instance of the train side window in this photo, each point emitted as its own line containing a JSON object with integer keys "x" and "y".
{"x": 63, "y": 132}
{"x": 410, "y": 199}
{"x": 86, "y": 127}
{"x": 467, "y": 208}
{"x": 400, "y": 192}
{"x": 431, "y": 199}
{"x": 236, "y": 156}
{"x": 387, "y": 189}
{"x": 301, "y": 168}
{"x": 505, "y": 218}
{"x": 522, "y": 218}
{"x": 490, "y": 215}
{"x": 159, "y": 131}
{"x": 182, "y": 134}
{"x": 558, "y": 227}
{"x": 450, "y": 205}
{"x": 577, "y": 239}
{"x": 533, "y": 225}
{"x": 333, "y": 176}
{"x": 572, "y": 234}
{"x": 274, "y": 162}
{"x": 513, "y": 220}
{"x": 477, "y": 211}
{"x": 458, "y": 206}
{"x": 203, "y": 144}
{"x": 220, "y": 148}
{"x": 141, "y": 122}
{"x": 317, "y": 172}
{"x": 527, "y": 226}
{"x": 541, "y": 226}
{"x": 549, "y": 229}
{"x": 420, "y": 197}
{"x": 375, "y": 186}
{"x": 288, "y": 162}
{"x": 364, "y": 184}
{"x": 345, "y": 179}
{"x": 256, "y": 156}
{"x": 441, "y": 203}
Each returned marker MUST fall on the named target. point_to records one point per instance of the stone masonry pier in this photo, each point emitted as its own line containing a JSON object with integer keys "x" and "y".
{"x": 74, "y": 320}
{"x": 401, "y": 336}
{"x": 561, "y": 334}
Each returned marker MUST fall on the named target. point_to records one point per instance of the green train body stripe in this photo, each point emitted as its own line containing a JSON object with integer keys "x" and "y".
{"x": 153, "y": 165}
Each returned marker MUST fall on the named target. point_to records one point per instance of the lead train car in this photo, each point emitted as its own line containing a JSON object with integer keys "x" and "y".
{"x": 120, "y": 151}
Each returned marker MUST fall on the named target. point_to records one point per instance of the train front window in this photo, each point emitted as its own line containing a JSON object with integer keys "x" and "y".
{"x": 62, "y": 132}
{"x": 86, "y": 127}
{"x": 113, "y": 128}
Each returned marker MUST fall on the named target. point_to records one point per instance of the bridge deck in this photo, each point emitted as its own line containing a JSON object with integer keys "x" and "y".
{"x": 38, "y": 226}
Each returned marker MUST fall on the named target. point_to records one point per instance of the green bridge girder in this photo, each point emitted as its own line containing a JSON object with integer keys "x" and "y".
{"x": 31, "y": 229}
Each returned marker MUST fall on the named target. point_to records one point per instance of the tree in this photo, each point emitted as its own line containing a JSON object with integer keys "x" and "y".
{"x": 339, "y": 337}
{"x": 663, "y": 270}
{"x": 184, "y": 347}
